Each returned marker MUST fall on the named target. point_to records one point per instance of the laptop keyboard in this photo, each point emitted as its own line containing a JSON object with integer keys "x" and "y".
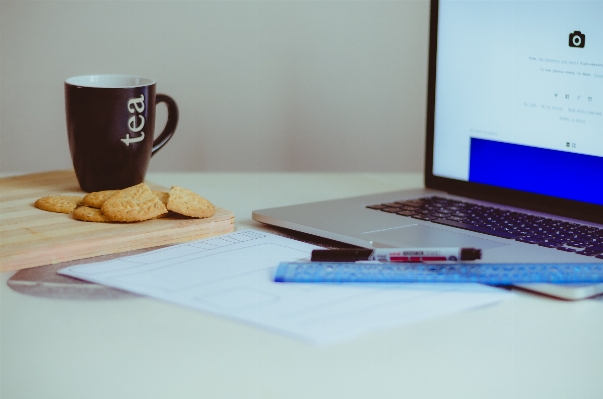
{"x": 537, "y": 230}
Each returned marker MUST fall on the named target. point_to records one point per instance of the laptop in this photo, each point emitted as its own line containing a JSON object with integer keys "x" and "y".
{"x": 514, "y": 143}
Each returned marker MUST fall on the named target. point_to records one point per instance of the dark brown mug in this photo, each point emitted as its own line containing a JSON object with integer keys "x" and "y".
{"x": 110, "y": 125}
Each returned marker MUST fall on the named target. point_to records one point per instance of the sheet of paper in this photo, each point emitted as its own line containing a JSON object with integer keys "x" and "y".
{"x": 232, "y": 275}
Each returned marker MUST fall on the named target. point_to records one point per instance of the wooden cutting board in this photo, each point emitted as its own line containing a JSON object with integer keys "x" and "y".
{"x": 31, "y": 237}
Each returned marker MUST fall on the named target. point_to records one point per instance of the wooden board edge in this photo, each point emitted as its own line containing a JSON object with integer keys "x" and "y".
{"x": 83, "y": 250}
{"x": 11, "y": 251}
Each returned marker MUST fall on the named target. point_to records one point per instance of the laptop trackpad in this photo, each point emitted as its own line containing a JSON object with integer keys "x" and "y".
{"x": 418, "y": 235}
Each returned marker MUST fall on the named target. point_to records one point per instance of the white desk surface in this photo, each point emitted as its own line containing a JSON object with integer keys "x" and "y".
{"x": 526, "y": 347}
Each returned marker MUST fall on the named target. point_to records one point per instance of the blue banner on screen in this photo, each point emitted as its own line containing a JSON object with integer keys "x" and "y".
{"x": 537, "y": 170}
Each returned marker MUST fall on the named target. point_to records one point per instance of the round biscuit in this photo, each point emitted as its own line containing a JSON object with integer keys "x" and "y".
{"x": 133, "y": 204}
{"x": 58, "y": 203}
{"x": 97, "y": 198}
{"x": 162, "y": 196}
{"x": 188, "y": 203}
{"x": 89, "y": 214}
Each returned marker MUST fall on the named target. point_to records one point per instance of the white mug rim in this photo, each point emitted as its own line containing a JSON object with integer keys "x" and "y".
{"x": 109, "y": 81}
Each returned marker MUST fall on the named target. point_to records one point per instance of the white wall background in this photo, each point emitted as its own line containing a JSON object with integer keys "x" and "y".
{"x": 261, "y": 85}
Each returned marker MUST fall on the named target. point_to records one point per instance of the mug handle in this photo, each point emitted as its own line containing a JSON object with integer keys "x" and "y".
{"x": 170, "y": 125}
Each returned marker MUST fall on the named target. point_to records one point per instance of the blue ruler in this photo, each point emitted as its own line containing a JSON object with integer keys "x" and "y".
{"x": 486, "y": 273}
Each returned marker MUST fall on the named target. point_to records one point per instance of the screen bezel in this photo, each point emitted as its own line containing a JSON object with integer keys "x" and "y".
{"x": 537, "y": 202}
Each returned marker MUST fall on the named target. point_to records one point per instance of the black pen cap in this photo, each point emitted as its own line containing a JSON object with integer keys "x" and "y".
{"x": 340, "y": 255}
{"x": 471, "y": 254}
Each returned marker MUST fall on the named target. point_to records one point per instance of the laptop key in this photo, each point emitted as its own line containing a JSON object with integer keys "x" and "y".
{"x": 413, "y": 202}
{"x": 566, "y": 249}
{"x": 549, "y": 244}
{"x": 439, "y": 215}
{"x": 377, "y": 207}
{"x": 423, "y": 217}
{"x": 527, "y": 240}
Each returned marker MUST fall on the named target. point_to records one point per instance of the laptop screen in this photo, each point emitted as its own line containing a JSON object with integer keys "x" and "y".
{"x": 519, "y": 96}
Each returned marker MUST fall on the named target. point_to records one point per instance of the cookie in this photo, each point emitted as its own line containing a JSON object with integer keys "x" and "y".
{"x": 162, "y": 195}
{"x": 97, "y": 198}
{"x": 133, "y": 204}
{"x": 58, "y": 203}
{"x": 186, "y": 202}
{"x": 89, "y": 214}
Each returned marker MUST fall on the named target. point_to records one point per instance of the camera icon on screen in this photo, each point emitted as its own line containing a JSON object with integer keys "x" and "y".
{"x": 577, "y": 39}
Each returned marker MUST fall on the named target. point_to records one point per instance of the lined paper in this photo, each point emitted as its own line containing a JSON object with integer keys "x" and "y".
{"x": 232, "y": 276}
